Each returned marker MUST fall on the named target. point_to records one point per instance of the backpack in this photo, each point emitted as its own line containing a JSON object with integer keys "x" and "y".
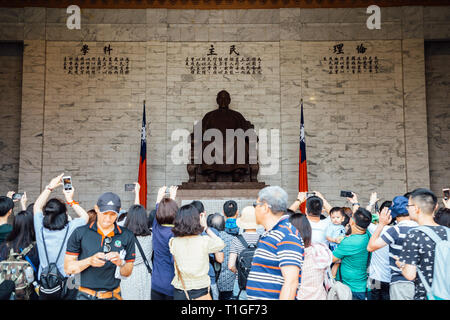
{"x": 52, "y": 281}
{"x": 217, "y": 266}
{"x": 440, "y": 286}
{"x": 244, "y": 262}
{"x": 19, "y": 270}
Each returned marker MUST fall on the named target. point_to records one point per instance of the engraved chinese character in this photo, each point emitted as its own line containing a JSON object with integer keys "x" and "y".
{"x": 107, "y": 49}
{"x": 361, "y": 49}
{"x": 85, "y": 49}
{"x": 339, "y": 48}
{"x": 212, "y": 51}
{"x": 233, "y": 50}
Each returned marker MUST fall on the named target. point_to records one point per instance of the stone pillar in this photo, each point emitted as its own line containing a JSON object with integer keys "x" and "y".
{"x": 414, "y": 99}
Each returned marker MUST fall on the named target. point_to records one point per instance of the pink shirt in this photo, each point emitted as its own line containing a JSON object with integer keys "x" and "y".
{"x": 317, "y": 259}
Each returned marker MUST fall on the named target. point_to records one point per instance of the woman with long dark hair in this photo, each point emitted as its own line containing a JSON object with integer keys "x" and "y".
{"x": 138, "y": 285}
{"x": 315, "y": 264}
{"x": 22, "y": 236}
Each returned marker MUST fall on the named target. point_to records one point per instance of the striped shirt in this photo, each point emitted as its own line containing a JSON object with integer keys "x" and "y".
{"x": 237, "y": 246}
{"x": 277, "y": 248}
{"x": 394, "y": 237}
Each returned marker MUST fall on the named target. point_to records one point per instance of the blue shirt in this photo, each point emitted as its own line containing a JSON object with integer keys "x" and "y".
{"x": 277, "y": 248}
{"x": 334, "y": 231}
{"x": 163, "y": 268}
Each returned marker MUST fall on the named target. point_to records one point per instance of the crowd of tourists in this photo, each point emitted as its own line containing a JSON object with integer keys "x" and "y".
{"x": 301, "y": 250}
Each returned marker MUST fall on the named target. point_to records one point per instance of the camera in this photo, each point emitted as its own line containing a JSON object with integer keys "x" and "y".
{"x": 17, "y": 196}
{"x": 67, "y": 182}
{"x": 346, "y": 194}
{"x": 446, "y": 193}
{"x": 310, "y": 194}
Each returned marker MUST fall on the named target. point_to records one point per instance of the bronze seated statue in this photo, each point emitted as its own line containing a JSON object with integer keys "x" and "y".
{"x": 241, "y": 167}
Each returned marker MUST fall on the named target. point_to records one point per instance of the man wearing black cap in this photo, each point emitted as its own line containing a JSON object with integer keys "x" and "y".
{"x": 98, "y": 249}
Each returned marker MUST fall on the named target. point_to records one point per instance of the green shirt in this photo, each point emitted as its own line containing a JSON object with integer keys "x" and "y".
{"x": 353, "y": 254}
{"x": 5, "y": 230}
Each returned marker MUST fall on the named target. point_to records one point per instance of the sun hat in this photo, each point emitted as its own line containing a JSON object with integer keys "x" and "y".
{"x": 247, "y": 220}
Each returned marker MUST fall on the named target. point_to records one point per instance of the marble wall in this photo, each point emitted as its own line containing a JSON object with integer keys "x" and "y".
{"x": 437, "y": 56}
{"x": 10, "y": 110}
{"x": 363, "y": 132}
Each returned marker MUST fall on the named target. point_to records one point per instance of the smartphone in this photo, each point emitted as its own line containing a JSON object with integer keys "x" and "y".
{"x": 346, "y": 194}
{"x": 17, "y": 196}
{"x": 129, "y": 187}
{"x": 377, "y": 209}
{"x": 446, "y": 193}
{"x": 67, "y": 183}
{"x": 310, "y": 194}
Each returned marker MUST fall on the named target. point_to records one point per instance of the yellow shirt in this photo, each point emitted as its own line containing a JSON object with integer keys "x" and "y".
{"x": 191, "y": 254}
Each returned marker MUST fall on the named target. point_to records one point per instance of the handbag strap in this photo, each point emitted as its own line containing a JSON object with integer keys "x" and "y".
{"x": 181, "y": 278}
{"x": 149, "y": 269}
{"x": 25, "y": 251}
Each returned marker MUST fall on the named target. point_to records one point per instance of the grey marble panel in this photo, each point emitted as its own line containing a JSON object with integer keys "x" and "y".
{"x": 157, "y": 16}
{"x": 412, "y": 22}
{"x": 11, "y": 15}
{"x": 34, "y": 31}
{"x": 34, "y": 15}
{"x": 11, "y": 31}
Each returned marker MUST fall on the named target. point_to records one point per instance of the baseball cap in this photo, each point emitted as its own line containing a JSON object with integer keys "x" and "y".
{"x": 399, "y": 206}
{"x": 109, "y": 202}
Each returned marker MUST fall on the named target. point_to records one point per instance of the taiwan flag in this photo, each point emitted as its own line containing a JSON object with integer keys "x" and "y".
{"x": 142, "y": 178}
{"x": 302, "y": 169}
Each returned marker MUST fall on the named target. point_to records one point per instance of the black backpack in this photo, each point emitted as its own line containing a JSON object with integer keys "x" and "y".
{"x": 244, "y": 262}
{"x": 217, "y": 266}
{"x": 52, "y": 282}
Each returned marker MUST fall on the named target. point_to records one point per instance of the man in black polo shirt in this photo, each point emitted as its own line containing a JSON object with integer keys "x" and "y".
{"x": 96, "y": 250}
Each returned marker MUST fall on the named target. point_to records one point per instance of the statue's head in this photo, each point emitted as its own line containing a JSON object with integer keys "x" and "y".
{"x": 223, "y": 99}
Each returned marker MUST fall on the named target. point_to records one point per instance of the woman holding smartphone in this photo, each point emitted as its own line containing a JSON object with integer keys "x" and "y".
{"x": 191, "y": 254}
{"x": 53, "y": 228}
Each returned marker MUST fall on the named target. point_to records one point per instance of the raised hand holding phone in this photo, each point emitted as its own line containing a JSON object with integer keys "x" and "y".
{"x": 173, "y": 192}
{"x": 161, "y": 193}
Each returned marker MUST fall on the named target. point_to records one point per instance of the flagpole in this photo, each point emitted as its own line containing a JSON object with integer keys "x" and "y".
{"x": 302, "y": 168}
{"x": 142, "y": 173}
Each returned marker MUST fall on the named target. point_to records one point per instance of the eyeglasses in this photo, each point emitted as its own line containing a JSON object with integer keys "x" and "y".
{"x": 106, "y": 246}
{"x": 256, "y": 203}
{"x": 410, "y": 205}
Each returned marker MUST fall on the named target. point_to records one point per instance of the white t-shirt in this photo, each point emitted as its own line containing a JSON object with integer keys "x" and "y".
{"x": 379, "y": 262}
{"x": 319, "y": 229}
